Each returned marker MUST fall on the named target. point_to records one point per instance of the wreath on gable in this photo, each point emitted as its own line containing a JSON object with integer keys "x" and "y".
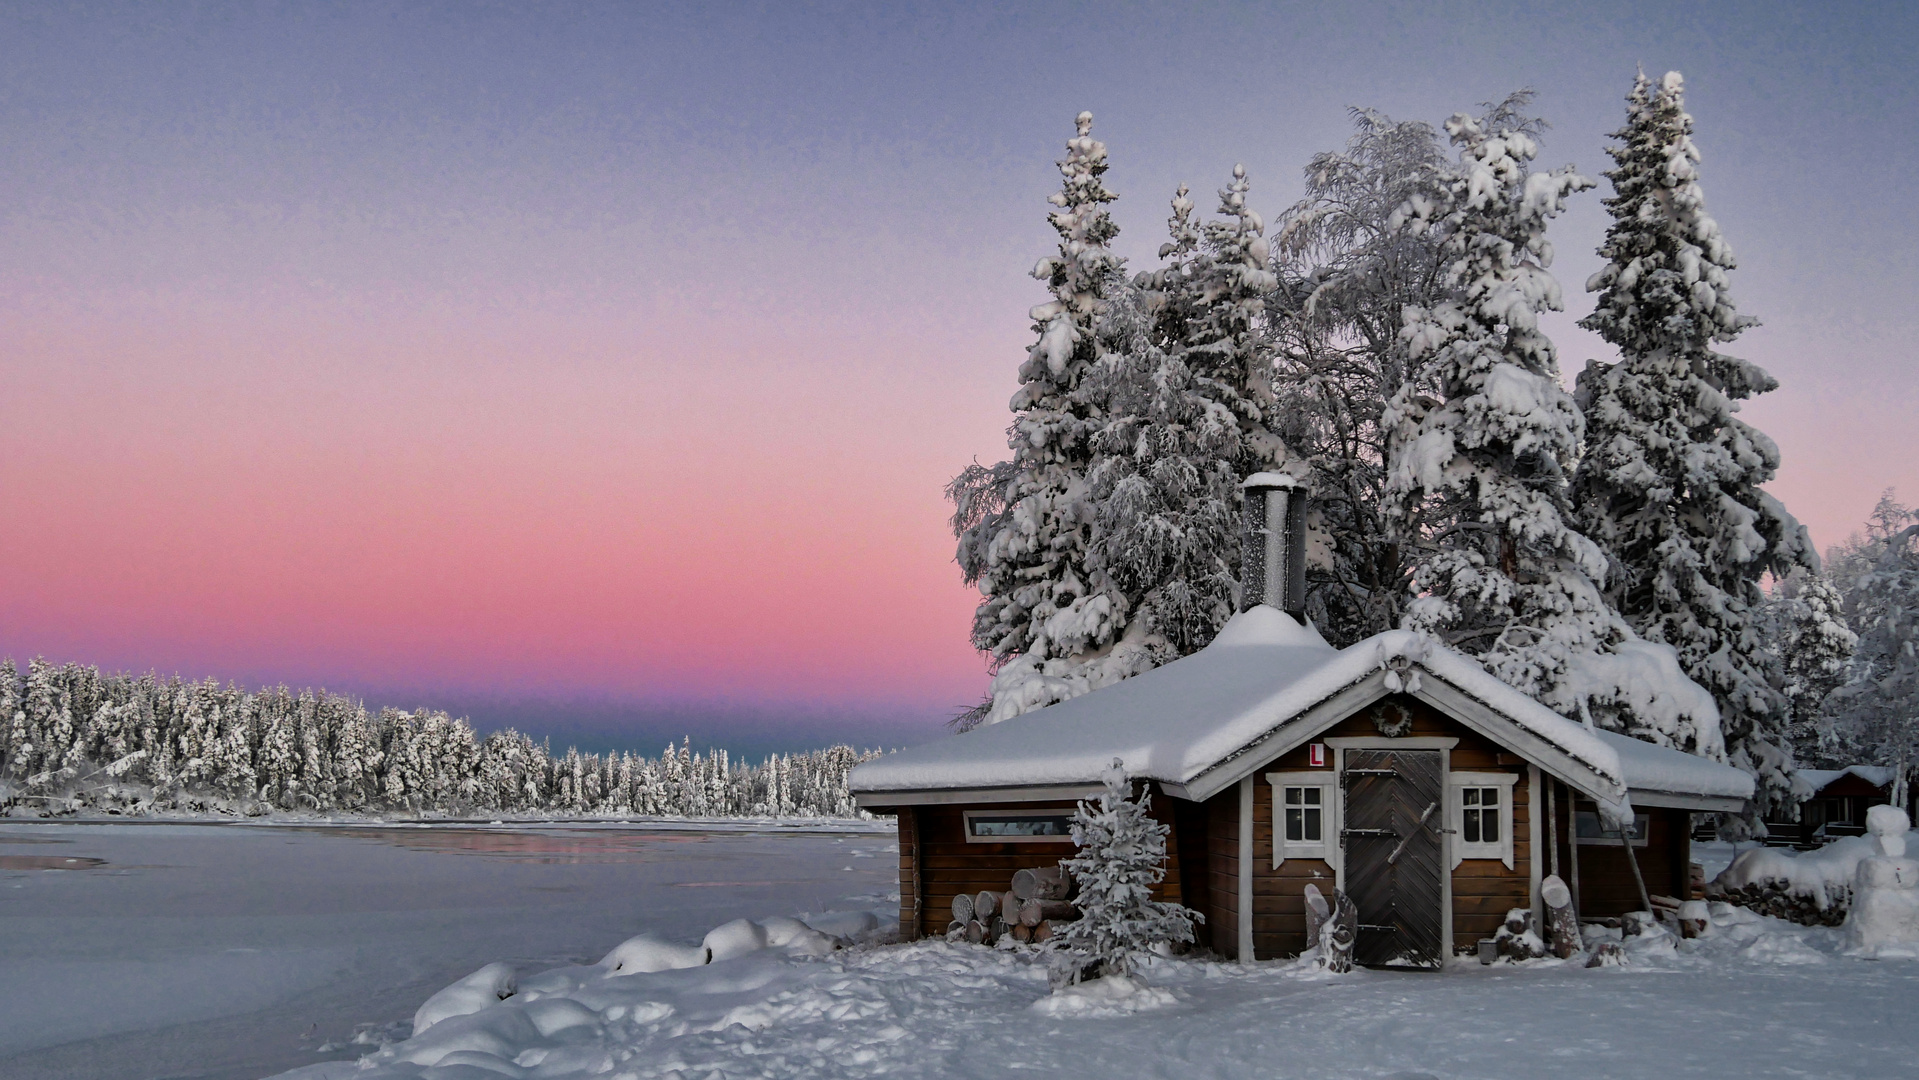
{"x": 1392, "y": 719}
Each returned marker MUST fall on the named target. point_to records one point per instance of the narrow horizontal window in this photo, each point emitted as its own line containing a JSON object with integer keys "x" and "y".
{"x": 989, "y": 826}
{"x": 1592, "y": 831}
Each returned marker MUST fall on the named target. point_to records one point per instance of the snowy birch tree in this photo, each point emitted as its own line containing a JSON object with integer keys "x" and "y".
{"x": 1051, "y": 620}
{"x": 1347, "y": 273}
{"x": 1670, "y": 484}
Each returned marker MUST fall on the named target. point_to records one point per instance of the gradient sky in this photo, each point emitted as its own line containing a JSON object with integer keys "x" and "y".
{"x": 597, "y": 368}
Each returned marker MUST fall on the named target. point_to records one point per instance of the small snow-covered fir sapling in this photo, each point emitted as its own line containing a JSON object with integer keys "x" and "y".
{"x": 1122, "y": 856}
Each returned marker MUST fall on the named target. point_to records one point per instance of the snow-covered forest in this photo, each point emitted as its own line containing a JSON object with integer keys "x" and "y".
{"x": 1607, "y": 547}
{"x": 76, "y": 740}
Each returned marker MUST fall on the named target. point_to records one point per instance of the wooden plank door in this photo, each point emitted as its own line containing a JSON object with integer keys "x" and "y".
{"x": 1395, "y": 811}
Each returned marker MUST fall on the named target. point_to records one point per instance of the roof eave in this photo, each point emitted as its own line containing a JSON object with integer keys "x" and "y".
{"x": 870, "y": 800}
{"x": 1685, "y": 800}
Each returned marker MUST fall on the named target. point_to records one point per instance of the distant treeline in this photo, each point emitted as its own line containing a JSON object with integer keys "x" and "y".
{"x": 72, "y": 740}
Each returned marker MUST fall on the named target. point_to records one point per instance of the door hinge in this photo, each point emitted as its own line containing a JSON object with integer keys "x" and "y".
{"x": 1368, "y": 832}
{"x": 1379, "y": 929}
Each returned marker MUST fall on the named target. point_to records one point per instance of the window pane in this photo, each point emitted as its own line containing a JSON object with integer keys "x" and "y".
{"x": 1489, "y": 826}
{"x": 1489, "y": 796}
{"x": 1470, "y": 826}
{"x": 1295, "y": 825}
{"x": 1312, "y": 796}
{"x": 1471, "y": 795}
{"x": 1312, "y": 830}
{"x": 1023, "y": 825}
{"x": 1295, "y": 796}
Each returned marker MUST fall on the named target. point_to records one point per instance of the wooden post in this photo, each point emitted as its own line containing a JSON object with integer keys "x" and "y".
{"x": 1318, "y": 911}
{"x": 1533, "y": 862}
{"x": 1338, "y": 936}
{"x": 912, "y": 896}
{"x": 1572, "y": 850}
{"x": 1632, "y": 860}
{"x": 1552, "y": 815}
{"x": 1562, "y": 926}
{"x": 1246, "y": 870}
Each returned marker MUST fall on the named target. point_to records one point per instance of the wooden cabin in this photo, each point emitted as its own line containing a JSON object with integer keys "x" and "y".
{"x": 1837, "y": 807}
{"x": 1434, "y": 795}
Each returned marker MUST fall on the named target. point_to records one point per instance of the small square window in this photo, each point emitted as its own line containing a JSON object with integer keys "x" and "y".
{"x": 1482, "y": 816}
{"x": 1305, "y": 815}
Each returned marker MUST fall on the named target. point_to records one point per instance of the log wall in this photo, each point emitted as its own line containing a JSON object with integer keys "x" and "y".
{"x": 948, "y": 865}
{"x": 1606, "y": 886}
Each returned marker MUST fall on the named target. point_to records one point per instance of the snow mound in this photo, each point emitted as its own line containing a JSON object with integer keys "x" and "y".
{"x": 737, "y": 938}
{"x": 644, "y": 953}
{"x": 490, "y": 985}
{"x": 1114, "y": 995}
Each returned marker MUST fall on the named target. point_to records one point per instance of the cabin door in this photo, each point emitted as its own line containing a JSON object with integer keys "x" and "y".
{"x": 1395, "y": 809}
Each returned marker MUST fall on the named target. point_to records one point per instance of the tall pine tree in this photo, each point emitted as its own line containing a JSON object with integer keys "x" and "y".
{"x": 1481, "y": 438}
{"x": 1051, "y": 618}
{"x": 1670, "y": 484}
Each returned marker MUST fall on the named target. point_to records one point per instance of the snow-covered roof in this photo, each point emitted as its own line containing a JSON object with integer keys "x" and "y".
{"x": 1876, "y": 775}
{"x": 1651, "y": 770}
{"x": 1265, "y": 685}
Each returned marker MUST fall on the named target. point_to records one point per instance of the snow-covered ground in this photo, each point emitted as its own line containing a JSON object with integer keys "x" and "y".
{"x": 1754, "y": 998}
{"x": 240, "y": 950}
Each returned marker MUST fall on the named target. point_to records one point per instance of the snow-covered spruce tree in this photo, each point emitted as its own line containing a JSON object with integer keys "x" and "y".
{"x": 1480, "y": 440}
{"x": 1121, "y": 857}
{"x": 1347, "y": 272}
{"x": 1804, "y": 626}
{"x": 1050, "y": 620}
{"x": 13, "y": 723}
{"x": 1669, "y": 487}
{"x": 1188, "y": 392}
{"x": 1876, "y": 713}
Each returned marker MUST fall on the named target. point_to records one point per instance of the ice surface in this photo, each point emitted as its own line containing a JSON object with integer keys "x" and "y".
{"x": 228, "y": 952}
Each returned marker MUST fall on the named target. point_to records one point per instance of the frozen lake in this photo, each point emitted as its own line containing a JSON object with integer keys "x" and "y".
{"x": 239, "y": 950}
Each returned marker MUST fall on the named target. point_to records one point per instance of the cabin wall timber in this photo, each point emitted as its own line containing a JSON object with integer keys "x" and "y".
{"x": 1606, "y": 885}
{"x": 937, "y": 863}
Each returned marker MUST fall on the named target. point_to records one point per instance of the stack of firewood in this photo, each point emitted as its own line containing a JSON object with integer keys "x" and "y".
{"x": 1029, "y": 912}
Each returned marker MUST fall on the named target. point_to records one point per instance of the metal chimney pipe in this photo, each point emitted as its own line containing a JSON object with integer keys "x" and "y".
{"x": 1273, "y": 544}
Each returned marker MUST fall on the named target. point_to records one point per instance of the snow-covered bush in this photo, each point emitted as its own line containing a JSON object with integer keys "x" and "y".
{"x": 1121, "y": 857}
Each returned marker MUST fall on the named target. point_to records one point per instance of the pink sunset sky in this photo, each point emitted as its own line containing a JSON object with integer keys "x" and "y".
{"x": 598, "y": 369}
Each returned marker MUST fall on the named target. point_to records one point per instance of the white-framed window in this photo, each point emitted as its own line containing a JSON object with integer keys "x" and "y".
{"x": 1019, "y": 826}
{"x": 1482, "y": 815}
{"x": 1305, "y": 815}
